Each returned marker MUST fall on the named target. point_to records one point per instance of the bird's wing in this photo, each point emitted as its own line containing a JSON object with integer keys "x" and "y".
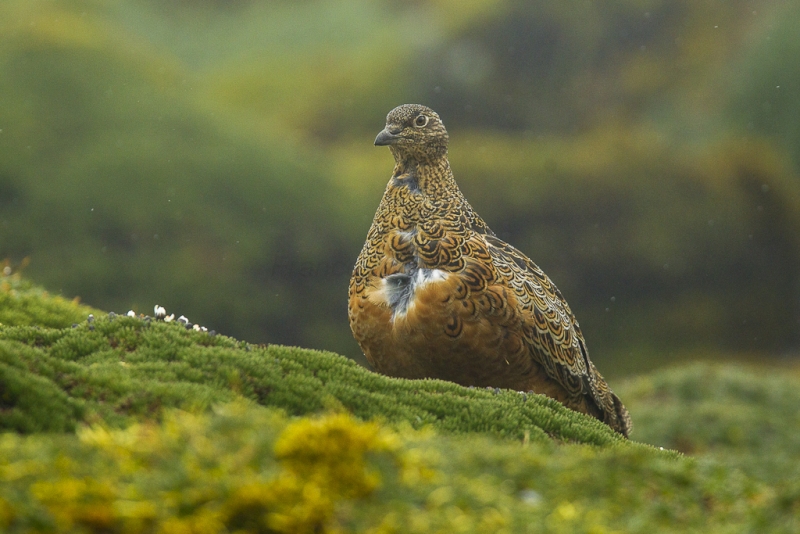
{"x": 549, "y": 325}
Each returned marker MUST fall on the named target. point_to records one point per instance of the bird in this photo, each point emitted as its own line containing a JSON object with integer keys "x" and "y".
{"x": 435, "y": 293}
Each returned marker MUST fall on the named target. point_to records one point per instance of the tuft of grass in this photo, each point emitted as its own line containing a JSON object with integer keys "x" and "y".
{"x": 23, "y": 303}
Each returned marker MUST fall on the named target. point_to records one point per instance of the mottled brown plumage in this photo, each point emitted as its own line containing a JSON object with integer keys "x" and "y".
{"x": 435, "y": 294}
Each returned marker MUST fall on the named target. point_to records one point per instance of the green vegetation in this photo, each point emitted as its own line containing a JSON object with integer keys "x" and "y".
{"x": 743, "y": 417}
{"x": 252, "y": 469}
{"x": 24, "y": 304}
{"x": 120, "y": 369}
{"x": 217, "y": 158}
{"x": 184, "y": 431}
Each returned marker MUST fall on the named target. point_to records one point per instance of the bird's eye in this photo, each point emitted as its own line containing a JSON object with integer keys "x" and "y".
{"x": 421, "y": 121}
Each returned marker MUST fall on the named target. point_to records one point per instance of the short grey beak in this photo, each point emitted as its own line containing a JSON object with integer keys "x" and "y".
{"x": 386, "y": 138}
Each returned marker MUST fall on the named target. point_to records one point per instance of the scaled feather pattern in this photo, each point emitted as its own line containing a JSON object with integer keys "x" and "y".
{"x": 435, "y": 294}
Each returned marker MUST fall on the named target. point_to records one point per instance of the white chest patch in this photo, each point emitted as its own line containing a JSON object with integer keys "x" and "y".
{"x": 399, "y": 288}
{"x": 423, "y": 276}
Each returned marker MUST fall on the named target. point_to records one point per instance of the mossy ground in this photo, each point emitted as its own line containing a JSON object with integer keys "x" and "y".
{"x": 183, "y": 431}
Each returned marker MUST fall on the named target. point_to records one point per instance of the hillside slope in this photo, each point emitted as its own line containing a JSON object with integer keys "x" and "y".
{"x": 306, "y": 441}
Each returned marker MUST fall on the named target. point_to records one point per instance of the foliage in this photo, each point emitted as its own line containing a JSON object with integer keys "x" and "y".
{"x": 24, "y": 304}
{"x": 671, "y": 250}
{"x": 743, "y": 417}
{"x": 479, "y": 461}
{"x": 215, "y": 157}
{"x": 250, "y": 469}
{"x": 119, "y": 369}
{"x": 764, "y": 89}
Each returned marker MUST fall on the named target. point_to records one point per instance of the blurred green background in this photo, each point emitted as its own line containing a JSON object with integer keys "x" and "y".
{"x": 216, "y": 157}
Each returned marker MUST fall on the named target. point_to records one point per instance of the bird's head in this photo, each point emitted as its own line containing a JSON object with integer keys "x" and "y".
{"x": 414, "y": 131}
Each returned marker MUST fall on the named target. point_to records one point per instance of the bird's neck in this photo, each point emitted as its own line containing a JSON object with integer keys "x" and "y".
{"x": 421, "y": 188}
{"x": 430, "y": 177}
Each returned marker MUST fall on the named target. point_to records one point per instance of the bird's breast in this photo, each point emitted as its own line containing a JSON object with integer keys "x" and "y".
{"x": 400, "y": 292}
{"x": 418, "y": 242}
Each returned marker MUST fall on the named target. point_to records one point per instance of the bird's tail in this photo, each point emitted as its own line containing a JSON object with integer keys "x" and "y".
{"x": 620, "y": 420}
